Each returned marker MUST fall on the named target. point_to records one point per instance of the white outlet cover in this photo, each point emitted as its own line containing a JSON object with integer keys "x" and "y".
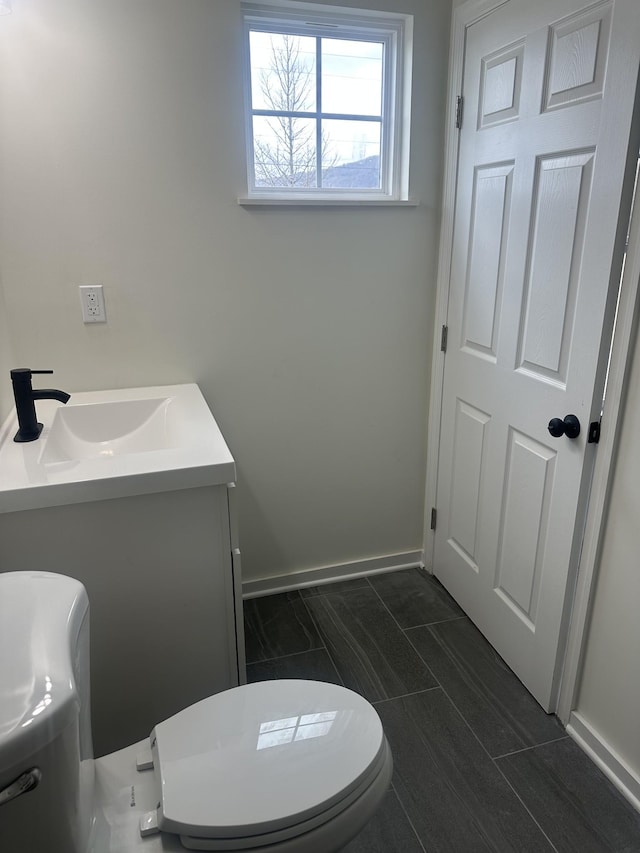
{"x": 92, "y": 301}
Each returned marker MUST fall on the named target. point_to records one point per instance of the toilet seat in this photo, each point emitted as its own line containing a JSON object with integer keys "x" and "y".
{"x": 358, "y": 808}
{"x": 266, "y": 762}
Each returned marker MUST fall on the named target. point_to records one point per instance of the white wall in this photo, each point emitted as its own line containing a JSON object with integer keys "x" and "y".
{"x": 6, "y": 350}
{"x": 6, "y": 360}
{"x": 609, "y": 697}
{"x": 309, "y": 331}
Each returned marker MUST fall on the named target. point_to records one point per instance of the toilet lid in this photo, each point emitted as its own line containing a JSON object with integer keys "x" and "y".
{"x": 262, "y": 757}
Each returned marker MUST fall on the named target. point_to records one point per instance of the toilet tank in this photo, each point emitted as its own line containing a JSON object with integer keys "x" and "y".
{"x": 44, "y": 713}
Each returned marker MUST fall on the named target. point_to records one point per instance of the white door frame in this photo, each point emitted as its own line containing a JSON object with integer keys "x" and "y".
{"x": 464, "y": 17}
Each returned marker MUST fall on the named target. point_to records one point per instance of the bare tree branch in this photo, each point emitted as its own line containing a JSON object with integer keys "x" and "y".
{"x": 287, "y": 156}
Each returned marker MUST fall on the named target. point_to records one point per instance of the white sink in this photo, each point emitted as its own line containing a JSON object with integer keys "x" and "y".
{"x": 109, "y": 444}
{"x": 111, "y": 429}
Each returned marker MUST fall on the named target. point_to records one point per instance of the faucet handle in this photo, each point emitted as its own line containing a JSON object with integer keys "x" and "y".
{"x": 19, "y": 372}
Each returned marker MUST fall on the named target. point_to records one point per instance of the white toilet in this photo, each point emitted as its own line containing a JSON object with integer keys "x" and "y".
{"x": 278, "y": 766}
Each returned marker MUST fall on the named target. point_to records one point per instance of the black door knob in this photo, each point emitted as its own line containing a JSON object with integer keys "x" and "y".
{"x": 570, "y": 427}
{"x": 556, "y": 427}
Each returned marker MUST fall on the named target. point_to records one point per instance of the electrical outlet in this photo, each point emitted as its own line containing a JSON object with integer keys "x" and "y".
{"x": 92, "y": 300}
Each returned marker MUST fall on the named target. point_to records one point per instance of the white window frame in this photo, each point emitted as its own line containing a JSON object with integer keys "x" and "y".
{"x": 395, "y": 31}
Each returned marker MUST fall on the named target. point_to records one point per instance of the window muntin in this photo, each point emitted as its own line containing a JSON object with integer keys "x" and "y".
{"x": 323, "y": 105}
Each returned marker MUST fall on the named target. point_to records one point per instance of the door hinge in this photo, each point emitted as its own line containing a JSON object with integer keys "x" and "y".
{"x": 434, "y": 515}
{"x": 459, "y": 103}
{"x": 594, "y": 432}
{"x": 443, "y": 338}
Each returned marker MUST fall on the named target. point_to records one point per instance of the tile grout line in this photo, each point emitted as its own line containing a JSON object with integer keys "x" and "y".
{"x": 422, "y": 625}
{"x": 436, "y": 622}
{"x": 406, "y": 695}
{"x": 409, "y": 821}
{"x": 527, "y": 748}
{"x": 288, "y": 655}
{"x": 384, "y": 604}
{"x": 458, "y": 711}
{"x": 524, "y": 805}
{"x": 486, "y": 751}
{"x": 404, "y": 634}
{"x": 454, "y": 661}
{"x": 329, "y": 592}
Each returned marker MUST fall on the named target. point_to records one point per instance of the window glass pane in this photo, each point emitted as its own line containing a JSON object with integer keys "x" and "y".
{"x": 352, "y": 77}
{"x": 351, "y": 154}
{"x": 284, "y": 152}
{"x": 283, "y": 69}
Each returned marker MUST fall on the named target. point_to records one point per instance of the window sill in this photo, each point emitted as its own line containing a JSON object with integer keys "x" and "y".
{"x": 262, "y": 201}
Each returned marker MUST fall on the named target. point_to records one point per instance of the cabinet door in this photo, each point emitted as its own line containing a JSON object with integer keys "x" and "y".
{"x": 159, "y": 574}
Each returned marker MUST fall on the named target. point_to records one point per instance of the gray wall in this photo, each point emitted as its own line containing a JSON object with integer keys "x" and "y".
{"x": 309, "y": 331}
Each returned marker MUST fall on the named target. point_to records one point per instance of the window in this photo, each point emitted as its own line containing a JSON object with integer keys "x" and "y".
{"x": 324, "y": 88}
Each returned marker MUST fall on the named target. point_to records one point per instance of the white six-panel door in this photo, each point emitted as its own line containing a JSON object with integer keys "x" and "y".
{"x": 548, "y": 92}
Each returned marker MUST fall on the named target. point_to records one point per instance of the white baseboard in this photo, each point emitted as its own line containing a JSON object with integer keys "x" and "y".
{"x": 331, "y": 574}
{"x": 611, "y": 764}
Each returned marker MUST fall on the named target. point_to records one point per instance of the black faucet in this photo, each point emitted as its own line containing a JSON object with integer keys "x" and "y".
{"x": 25, "y": 396}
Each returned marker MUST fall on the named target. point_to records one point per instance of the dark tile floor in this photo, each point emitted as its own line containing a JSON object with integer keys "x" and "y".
{"x": 478, "y": 766}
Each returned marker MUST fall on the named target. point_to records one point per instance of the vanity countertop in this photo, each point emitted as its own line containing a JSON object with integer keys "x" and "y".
{"x": 123, "y": 442}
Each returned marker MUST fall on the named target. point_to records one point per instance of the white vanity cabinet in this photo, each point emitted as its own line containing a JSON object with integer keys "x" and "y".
{"x": 162, "y": 570}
